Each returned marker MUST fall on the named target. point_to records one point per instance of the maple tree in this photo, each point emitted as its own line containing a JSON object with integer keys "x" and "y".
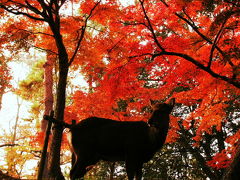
{"x": 147, "y": 50}
{"x": 184, "y": 49}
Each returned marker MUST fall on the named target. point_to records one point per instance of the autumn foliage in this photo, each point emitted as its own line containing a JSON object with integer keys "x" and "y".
{"x": 188, "y": 50}
{"x": 149, "y": 49}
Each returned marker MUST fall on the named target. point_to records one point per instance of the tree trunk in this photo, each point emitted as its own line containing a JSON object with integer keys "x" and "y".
{"x": 48, "y": 100}
{"x": 48, "y": 88}
{"x": 55, "y": 146}
{"x": 16, "y": 121}
{"x": 43, "y": 167}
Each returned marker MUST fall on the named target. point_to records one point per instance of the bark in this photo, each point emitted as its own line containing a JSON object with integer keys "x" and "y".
{"x": 48, "y": 107}
{"x": 43, "y": 171}
{"x": 55, "y": 146}
{"x": 48, "y": 88}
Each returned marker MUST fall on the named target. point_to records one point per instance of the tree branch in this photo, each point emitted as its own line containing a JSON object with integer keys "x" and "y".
{"x": 45, "y": 8}
{"x": 32, "y": 8}
{"x": 4, "y": 145}
{"x": 201, "y": 66}
{"x": 47, "y": 50}
{"x": 196, "y": 29}
{"x": 83, "y": 29}
{"x": 207, "y": 69}
{"x": 150, "y": 27}
{"x": 17, "y": 12}
{"x": 208, "y": 40}
{"x": 115, "y": 45}
{"x": 215, "y": 43}
{"x": 31, "y": 32}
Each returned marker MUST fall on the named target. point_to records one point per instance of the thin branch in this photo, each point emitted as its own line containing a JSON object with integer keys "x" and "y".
{"x": 45, "y": 9}
{"x": 31, "y": 32}
{"x": 36, "y": 153}
{"x": 32, "y": 8}
{"x": 83, "y": 29}
{"x": 62, "y": 2}
{"x": 133, "y": 23}
{"x": 136, "y": 56}
{"x": 184, "y": 11}
{"x": 164, "y": 3}
{"x": 215, "y": 43}
{"x": 232, "y": 80}
{"x": 196, "y": 29}
{"x": 149, "y": 79}
{"x": 94, "y": 28}
{"x": 17, "y": 12}
{"x": 47, "y": 50}
{"x": 150, "y": 27}
{"x": 190, "y": 22}
{"x": 115, "y": 45}
{"x": 4, "y": 145}
{"x": 237, "y": 4}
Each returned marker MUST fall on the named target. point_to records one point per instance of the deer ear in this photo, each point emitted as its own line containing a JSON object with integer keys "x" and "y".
{"x": 151, "y": 102}
{"x": 172, "y": 102}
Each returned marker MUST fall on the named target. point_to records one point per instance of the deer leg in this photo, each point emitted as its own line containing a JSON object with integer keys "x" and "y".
{"x": 83, "y": 165}
{"x": 134, "y": 169}
{"x": 78, "y": 170}
{"x": 139, "y": 172}
{"x": 131, "y": 169}
{"x": 130, "y": 173}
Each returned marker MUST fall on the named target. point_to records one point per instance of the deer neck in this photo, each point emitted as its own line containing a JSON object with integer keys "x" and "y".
{"x": 158, "y": 128}
{"x": 159, "y": 121}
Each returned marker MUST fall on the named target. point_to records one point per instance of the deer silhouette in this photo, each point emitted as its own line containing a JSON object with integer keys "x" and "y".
{"x": 95, "y": 139}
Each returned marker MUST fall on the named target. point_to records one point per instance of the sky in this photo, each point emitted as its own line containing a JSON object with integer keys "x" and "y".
{"x": 8, "y": 112}
{"x": 9, "y": 102}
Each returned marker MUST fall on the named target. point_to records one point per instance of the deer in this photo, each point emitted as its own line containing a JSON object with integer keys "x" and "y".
{"x": 135, "y": 142}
